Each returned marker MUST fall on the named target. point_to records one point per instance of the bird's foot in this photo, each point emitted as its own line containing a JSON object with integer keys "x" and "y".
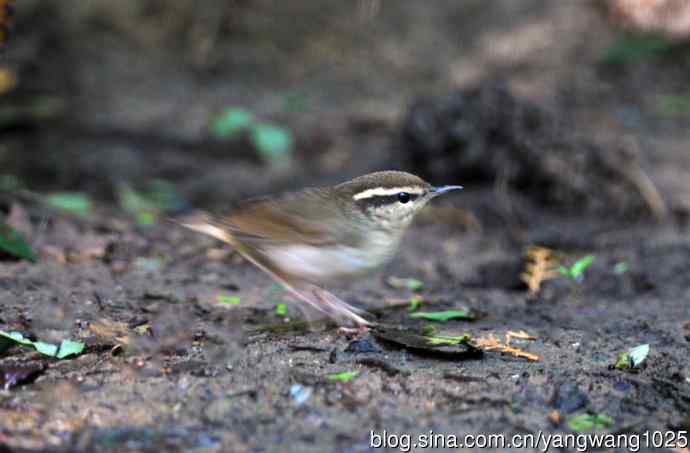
{"x": 329, "y": 304}
{"x": 354, "y": 331}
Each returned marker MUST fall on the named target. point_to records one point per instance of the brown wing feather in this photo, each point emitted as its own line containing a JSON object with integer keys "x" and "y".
{"x": 305, "y": 217}
{"x": 265, "y": 223}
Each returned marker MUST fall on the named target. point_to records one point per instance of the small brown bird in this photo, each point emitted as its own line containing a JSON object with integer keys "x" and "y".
{"x": 319, "y": 235}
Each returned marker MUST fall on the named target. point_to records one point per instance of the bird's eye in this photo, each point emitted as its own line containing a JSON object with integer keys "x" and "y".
{"x": 403, "y": 197}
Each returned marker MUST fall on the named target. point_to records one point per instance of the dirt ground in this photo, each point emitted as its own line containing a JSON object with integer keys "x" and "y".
{"x": 512, "y": 99}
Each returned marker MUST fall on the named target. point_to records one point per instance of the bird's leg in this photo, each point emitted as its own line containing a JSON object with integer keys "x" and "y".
{"x": 317, "y": 297}
{"x": 338, "y": 306}
{"x": 326, "y": 302}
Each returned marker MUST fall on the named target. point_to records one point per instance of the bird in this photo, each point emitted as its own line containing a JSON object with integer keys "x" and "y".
{"x": 316, "y": 236}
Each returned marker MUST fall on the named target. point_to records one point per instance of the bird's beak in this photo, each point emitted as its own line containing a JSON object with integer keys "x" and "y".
{"x": 443, "y": 189}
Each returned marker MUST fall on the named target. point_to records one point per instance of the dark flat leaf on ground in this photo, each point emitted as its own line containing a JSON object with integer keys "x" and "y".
{"x": 414, "y": 341}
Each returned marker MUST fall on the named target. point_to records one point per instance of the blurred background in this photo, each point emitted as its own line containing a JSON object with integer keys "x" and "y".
{"x": 566, "y": 121}
{"x": 578, "y": 106}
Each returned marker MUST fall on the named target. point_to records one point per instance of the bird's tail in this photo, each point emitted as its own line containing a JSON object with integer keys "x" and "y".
{"x": 205, "y": 223}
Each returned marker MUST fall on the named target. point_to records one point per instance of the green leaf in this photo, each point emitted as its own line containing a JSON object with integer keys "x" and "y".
{"x": 163, "y": 195}
{"x": 74, "y": 202}
{"x": 622, "y": 361}
{"x": 580, "y": 265}
{"x": 620, "y": 268}
{"x": 9, "y": 339}
{"x": 442, "y": 315}
{"x": 145, "y": 218}
{"x": 672, "y": 105}
{"x": 272, "y": 142}
{"x": 415, "y": 301}
{"x": 631, "y": 358}
{"x": 638, "y": 354}
{"x": 410, "y": 283}
{"x": 630, "y": 47}
{"x": 343, "y": 376}
{"x": 132, "y": 201}
{"x": 45, "y": 348}
{"x": 230, "y": 122}
{"x": 577, "y": 269}
{"x": 226, "y": 299}
{"x": 69, "y": 347}
{"x": 281, "y": 309}
{"x": 13, "y": 243}
{"x": 428, "y": 330}
{"x": 160, "y": 196}
{"x": 587, "y": 422}
{"x": 441, "y": 340}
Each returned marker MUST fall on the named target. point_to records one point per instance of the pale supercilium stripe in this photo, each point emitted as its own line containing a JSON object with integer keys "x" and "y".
{"x": 384, "y": 191}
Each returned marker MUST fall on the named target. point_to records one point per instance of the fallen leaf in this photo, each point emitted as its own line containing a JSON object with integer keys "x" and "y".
{"x": 541, "y": 264}
{"x": 273, "y": 143}
{"x": 440, "y": 339}
{"x": 230, "y": 122}
{"x": 521, "y": 335}
{"x": 554, "y": 417}
{"x": 68, "y": 348}
{"x": 415, "y": 301}
{"x": 442, "y": 315}
{"x": 408, "y": 283}
{"x": 13, "y": 243}
{"x": 228, "y": 299}
{"x": 419, "y": 342}
{"x": 73, "y": 202}
{"x": 492, "y": 343}
{"x": 638, "y": 354}
{"x": 9, "y": 339}
{"x": 343, "y": 376}
{"x": 281, "y": 309}
{"x": 631, "y": 358}
{"x": 110, "y": 330}
{"x": 588, "y": 422}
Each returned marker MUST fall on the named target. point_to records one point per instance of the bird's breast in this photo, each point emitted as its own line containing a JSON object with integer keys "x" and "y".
{"x": 327, "y": 262}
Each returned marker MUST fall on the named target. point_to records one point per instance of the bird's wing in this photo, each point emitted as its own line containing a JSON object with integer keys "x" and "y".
{"x": 306, "y": 217}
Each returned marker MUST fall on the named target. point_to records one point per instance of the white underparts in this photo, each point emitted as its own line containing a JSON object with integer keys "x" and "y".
{"x": 321, "y": 263}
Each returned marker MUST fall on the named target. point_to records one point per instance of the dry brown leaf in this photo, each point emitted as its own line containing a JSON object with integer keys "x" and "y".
{"x": 488, "y": 342}
{"x": 541, "y": 264}
{"x": 520, "y": 335}
{"x": 554, "y": 417}
{"x": 516, "y": 352}
{"x": 55, "y": 252}
{"x": 492, "y": 343}
{"x": 110, "y": 330}
{"x": 89, "y": 251}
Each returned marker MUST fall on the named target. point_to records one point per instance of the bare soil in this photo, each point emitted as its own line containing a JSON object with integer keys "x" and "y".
{"x": 508, "y": 98}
